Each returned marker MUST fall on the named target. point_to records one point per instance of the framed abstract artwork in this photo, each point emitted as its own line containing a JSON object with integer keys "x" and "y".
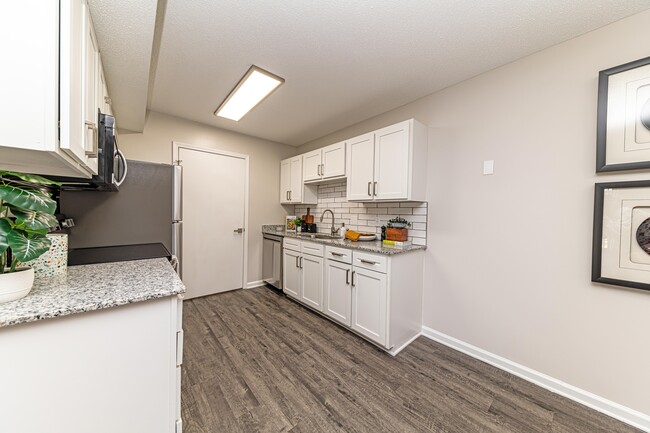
{"x": 621, "y": 238}
{"x": 623, "y": 134}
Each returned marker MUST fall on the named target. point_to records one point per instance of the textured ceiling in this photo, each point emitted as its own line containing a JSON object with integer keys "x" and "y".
{"x": 344, "y": 61}
{"x": 125, "y": 30}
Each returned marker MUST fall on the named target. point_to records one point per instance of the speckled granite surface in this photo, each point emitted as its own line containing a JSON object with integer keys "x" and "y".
{"x": 93, "y": 287}
{"x": 371, "y": 247}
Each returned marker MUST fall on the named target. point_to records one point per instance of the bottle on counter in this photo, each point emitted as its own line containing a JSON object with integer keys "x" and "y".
{"x": 383, "y": 233}
{"x": 343, "y": 230}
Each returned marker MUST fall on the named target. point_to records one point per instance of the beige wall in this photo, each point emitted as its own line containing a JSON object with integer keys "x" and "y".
{"x": 155, "y": 144}
{"x": 509, "y": 257}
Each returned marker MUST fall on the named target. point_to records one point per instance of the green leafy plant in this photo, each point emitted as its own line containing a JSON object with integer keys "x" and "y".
{"x": 26, "y": 213}
{"x": 297, "y": 222}
{"x": 398, "y": 222}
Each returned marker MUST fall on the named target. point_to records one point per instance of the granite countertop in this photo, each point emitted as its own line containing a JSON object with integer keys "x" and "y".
{"x": 93, "y": 287}
{"x": 369, "y": 246}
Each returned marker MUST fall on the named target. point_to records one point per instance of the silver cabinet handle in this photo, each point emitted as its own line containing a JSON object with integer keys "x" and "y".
{"x": 287, "y": 195}
{"x": 297, "y": 266}
{"x": 95, "y": 150}
{"x": 290, "y": 195}
{"x": 300, "y": 262}
{"x": 347, "y": 276}
{"x": 239, "y": 230}
{"x": 369, "y": 185}
{"x": 337, "y": 254}
{"x": 368, "y": 262}
{"x": 374, "y": 189}
{"x": 353, "y": 272}
{"x": 318, "y": 170}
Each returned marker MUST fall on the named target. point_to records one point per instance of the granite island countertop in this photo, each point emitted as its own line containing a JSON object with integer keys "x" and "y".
{"x": 93, "y": 287}
{"x": 368, "y": 246}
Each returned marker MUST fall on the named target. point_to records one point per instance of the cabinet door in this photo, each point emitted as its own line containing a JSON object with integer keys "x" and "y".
{"x": 333, "y": 160}
{"x": 285, "y": 180}
{"x": 369, "y": 309}
{"x": 392, "y": 162}
{"x": 291, "y": 273}
{"x": 360, "y": 157}
{"x": 311, "y": 165}
{"x": 337, "y": 296}
{"x": 71, "y": 69}
{"x": 312, "y": 281}
{"x": 296, "y": 180}
{"x": 91, "y": 84}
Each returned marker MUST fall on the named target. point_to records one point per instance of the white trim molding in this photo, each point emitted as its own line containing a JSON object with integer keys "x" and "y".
{"x": 253, "y": 284}
{"x": 593, "y": 401}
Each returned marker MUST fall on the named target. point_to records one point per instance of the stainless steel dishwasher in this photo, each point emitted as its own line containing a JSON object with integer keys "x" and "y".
{"x": 272, "y": 260}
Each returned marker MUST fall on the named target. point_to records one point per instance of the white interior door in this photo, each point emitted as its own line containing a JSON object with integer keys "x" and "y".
{"x": 214, "y": 201}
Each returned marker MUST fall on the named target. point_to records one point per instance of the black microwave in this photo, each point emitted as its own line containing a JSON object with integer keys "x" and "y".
{"x": 111, "y": 164}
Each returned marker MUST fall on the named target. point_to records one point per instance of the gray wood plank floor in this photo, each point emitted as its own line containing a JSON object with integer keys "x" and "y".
{"x": 256, "y": 361}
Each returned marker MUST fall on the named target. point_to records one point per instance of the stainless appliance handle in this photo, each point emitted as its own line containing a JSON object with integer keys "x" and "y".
{"x": 177, "y": 208}
{"x": 93, "y": 153}
{"x": 177, "y": 231}
{"x": 126, "y": 167}
{"x": 347, "y": 276}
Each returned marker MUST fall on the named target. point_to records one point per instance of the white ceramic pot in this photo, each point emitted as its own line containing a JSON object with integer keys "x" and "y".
{"x": 16, "y": 285}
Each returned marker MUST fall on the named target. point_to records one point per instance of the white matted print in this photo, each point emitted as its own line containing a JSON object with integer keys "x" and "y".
{"x": 624, "y": 117}
{"x": 621, "y": 249}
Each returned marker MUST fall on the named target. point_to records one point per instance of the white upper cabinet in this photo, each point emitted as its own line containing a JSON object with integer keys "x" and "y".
{"x": 361, "y": 154}
{"x": 49, "y": 92}
{"x": 292, "y": 188}
{"x": 326, "y": 163}
{"x": 388, "y": 164}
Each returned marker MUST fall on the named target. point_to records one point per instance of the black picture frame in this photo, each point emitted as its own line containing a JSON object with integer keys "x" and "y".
{"x": 601, "y": 133}
{"x": 596, "y": 257}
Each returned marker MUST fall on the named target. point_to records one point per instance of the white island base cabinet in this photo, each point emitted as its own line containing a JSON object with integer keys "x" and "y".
{"x": 106, "y": 371}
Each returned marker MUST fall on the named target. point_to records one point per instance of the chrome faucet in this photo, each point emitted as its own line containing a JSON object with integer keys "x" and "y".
{"x": 333, "y": 231}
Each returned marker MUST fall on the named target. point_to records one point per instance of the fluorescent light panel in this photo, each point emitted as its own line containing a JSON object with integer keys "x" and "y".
{"x": 252, "y": 89}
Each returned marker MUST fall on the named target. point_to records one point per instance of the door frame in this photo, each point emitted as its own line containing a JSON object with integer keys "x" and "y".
{"x": 177, "y": 146}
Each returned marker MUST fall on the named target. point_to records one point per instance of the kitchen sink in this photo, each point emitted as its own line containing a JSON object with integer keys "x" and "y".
{"x": 317, "y": 236}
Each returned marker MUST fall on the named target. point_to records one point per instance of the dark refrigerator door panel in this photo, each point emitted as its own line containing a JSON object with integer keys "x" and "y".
{"x": 140, "y": 213}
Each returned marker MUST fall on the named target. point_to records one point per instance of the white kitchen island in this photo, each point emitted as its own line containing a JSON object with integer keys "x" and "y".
{"x": 107, "y": 359}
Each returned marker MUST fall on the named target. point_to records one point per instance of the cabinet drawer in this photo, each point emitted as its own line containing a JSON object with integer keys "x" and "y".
{"x": 313, "y": 249}
{"x": 339, "y": 254}
{"x": 291, "y": 244}
{"x": 372, "y": 262}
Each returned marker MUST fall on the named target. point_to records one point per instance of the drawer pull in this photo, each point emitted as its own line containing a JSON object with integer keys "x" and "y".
{"x": 337, "y": 254}
{"x": 368, "y": 262}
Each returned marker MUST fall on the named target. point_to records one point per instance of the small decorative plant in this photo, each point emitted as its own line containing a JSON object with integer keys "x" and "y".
{"x": 26, "y": 213}
{"x": 398, "y": 223}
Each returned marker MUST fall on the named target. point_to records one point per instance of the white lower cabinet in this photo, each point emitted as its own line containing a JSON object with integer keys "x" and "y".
{"x": 303, "y": 273}
{"x": 369, "y": 304}
{"x": 105, "y": 371}
{"x": 379, "y": 297}
{"x": 338, "y": 291}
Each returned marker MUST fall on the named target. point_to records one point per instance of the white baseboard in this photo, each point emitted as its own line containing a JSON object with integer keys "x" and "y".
{"x": 608, "y": 407}
{"x": 397, "y": 350}
{"x": 253, "y": 284}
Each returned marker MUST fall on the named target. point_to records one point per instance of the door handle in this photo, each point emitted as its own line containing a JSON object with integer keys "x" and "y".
{"x": 239, "y": 230}
{"x": 126, "y": 167}
{"x": 347, "y": 276}
{"x": 297, "y": 266}
{"x": 369, "y": 185}
{"x": 95, "y": 149}
{"x": 374, "y": 189}
{"x": 300, "y": 262}
{"x": 290, "y": 195}
{"x": 287, "y": 195}
{"x": 353, "y": 272}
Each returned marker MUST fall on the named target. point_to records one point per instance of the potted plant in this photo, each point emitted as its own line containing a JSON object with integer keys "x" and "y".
{"x": 26, "y": 213}
{"x": 298, "y": 224}
{"x": 396, "y": 229}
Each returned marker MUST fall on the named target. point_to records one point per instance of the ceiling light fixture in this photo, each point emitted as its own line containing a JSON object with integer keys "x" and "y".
{"x": 252, "y": 89}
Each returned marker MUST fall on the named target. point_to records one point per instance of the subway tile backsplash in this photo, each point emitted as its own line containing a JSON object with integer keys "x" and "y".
{"x": 365, "y": 217}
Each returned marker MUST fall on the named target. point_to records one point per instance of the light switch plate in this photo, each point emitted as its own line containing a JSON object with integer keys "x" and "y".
{"x": 488, "y": 167}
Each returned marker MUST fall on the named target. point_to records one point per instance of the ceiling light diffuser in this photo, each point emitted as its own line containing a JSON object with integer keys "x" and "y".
{"x": 254, "y": 87}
